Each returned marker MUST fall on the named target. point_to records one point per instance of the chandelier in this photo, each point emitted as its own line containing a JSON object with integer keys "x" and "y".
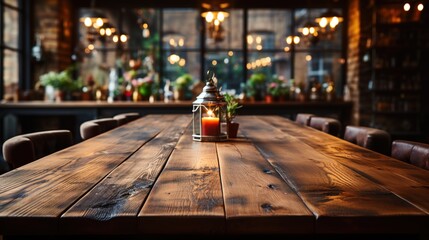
{"x": 215, "y": 14}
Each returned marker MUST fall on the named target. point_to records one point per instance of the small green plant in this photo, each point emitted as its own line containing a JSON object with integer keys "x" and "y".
{"x": 183, "y": 82}
{"x": 60, "y": 81}
{"x": 232, "y": 105}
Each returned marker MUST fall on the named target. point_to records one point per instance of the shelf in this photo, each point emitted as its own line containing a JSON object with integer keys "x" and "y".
{"x": 395, "y": 113}
{"x": 395, "y": 91}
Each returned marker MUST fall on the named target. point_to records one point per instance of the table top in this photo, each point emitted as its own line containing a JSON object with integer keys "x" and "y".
{"x": 149, "y": 177}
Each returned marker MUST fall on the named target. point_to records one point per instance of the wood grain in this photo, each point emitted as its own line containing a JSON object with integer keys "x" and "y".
{"x": 257, "y": 200}
{"x": 342, "y": 200}
{"x": 187, "y": 196}
{"x": 115, "y": 202}
{"x": 403, "y": 179}
{"x": 45, "y": 188}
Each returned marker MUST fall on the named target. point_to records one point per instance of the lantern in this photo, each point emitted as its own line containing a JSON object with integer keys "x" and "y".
{"x": 209, "y": 115}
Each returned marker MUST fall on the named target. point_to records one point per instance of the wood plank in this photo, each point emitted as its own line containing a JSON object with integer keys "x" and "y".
{"x": 187, "y": 197}
{"x": 112, "y": 206}
{"x": 257, "y": 200}
{"x": 35, "y": 195}
{"x": 405, "y": 180}
{"x": 343, "y": 200}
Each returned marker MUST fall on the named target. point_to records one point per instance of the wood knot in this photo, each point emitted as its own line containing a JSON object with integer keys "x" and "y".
{"x": 267, "y": 207}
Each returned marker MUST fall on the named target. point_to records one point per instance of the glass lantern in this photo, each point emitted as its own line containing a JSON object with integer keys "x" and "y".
{"x": 209, "y": 115}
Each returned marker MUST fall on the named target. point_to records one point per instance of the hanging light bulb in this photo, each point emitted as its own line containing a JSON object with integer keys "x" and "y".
{"x": 407, "y": 7}
{"x": 329, "y": 18}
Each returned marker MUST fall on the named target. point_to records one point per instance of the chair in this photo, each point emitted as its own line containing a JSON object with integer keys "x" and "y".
{"x": 415, "y": 153}
{"x": 25, "y": 148}
{"x": 304, "y": 118}
{"x": 371, "y": 138}
{"x": 95, "y": 127}
{"x": 124, "y": 118}
{"x": 328, "y": 125}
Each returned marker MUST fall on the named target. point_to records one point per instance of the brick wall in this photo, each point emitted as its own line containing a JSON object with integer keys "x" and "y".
{"x": 353, "y": 56}
{"x": 53, "y": 22}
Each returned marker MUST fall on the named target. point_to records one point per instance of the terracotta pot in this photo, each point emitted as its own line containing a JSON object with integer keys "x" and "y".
{"x": 233, "y": 129}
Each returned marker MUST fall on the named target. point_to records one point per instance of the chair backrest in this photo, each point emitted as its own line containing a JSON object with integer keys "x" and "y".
{"x": 328, "y": 125}
{"x": 95, "y": 127}
{"x": 25, "y": 148}
{"x": 412, "y": 152}
{"x": 304, "y": 118}
{"x": 124, "y": 118}
{"x": 372, "y": 138}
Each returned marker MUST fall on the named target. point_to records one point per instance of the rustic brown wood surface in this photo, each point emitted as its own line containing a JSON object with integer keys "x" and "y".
{"x": 149, "y": 177}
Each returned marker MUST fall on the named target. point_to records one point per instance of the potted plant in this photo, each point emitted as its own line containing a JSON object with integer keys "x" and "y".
{"x": 232, "y": 105}
{"x": 255, "y": 86}
{"x": 181, "y": 86}
{"x": 58, "y": 81}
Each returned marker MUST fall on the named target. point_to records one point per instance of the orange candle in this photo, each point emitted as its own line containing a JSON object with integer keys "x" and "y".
{"x": 210, "y": 126}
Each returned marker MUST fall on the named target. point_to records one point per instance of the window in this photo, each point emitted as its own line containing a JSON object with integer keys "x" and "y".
{"x": 10, "y": 48}
{"x": 178, "y": 46}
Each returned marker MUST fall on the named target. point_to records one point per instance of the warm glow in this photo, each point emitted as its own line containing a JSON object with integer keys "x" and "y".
{"x": 209, "y": 17}
{"x": 334, "y": 22}
{"x": 323, "y": 22}
{"x": 287, "y": 49}
{"x": 230, "y": 53}
{"x": 98, "y": 23}
{"x": 305, "y": 31}
{"x": 407, "y": 7}
{"x": 181, "y": 42}
{"x": 145, "y": 25}
{"x": 216, "y": 22}
{"x": 108, "y": 32}
{"x": 420, "y": 7}
{"x": 214, "y": 62}
{"x": 210, "y": 113}
{"x": 220, "y": 16}
{"x": 312, "y": 30}
{"x": 123, "y": 38}
{"x": 248, "y": 66}
{"x": 296, "y": 40}
{"x": 249, "y": 39}
{"x": 308, "y": 58}
{"x": 173, "y": 58}
{"x": 91, "y": 47}
{"x": 102, "y": 31}
{"x": 182, "y": 62}
{"x": 259, "y": 47}
{"x": 258, "y": 39}
{"x": 87, "y": 22}
{"x": 289, "y": 40}
{"x": 115, "y": 38}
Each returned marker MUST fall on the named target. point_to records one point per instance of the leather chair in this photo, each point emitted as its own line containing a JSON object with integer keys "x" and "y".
{"x": 372, "y": 138}
{"x": 415, "y": 153}
{"x": 304, "y": 118}
{"x": 124, "y": 118}
{"x": 25, "y": 148}
{"x": 95, "y": 127}
{"x": 328, "y": 125}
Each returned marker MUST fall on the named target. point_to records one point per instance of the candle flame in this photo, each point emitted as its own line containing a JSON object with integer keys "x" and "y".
{"x": 210, "y": 113}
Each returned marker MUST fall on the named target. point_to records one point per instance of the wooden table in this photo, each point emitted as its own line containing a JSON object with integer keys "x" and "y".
{"x": 149, "y": 178}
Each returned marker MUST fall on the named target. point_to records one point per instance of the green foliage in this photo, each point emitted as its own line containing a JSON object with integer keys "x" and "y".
{"x": 256, "y": 84}
{"x": 277, "y": 87}
{"x": 61, "y": 80}
{"x": 232, "y": 105}
{"x": 183, "y": 82}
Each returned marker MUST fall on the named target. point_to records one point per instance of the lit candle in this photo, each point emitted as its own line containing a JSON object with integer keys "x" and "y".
{"x": 210, "y": 125}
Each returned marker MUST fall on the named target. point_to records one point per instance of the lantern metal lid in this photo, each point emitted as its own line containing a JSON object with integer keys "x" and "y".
{"x": 210, "y": 93}
{"x": 209, "y": 114}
